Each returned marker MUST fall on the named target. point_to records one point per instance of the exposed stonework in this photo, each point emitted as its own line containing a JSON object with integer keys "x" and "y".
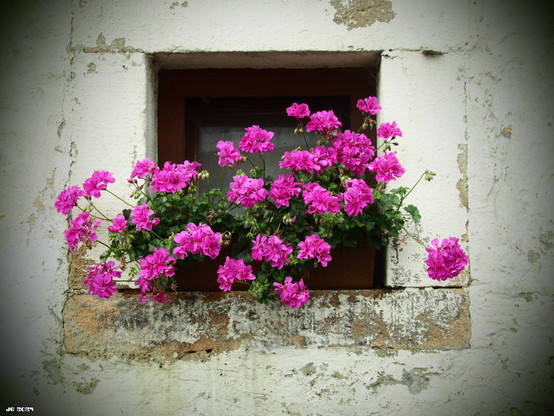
{"x": 78, "y": 269}
{"x": 199, "y": 323}
{"x": 362, "y": 13}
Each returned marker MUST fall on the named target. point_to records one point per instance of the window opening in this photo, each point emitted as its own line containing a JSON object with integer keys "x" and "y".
{"x": 198, "y": 107}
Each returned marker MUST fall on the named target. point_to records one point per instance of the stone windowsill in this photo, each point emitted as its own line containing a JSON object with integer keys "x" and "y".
{"x": 197, "y": 323}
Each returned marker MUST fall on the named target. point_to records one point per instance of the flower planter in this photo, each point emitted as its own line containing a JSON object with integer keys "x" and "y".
{"x": 351, "y": 268}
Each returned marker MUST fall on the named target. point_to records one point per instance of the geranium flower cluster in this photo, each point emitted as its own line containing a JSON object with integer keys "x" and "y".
{"x": 354, "y": 151}
{"x": 174, "y": 177}
{"x": 97, "y": 182}
{"x": 292, "y": 294}
{"x": 228, "y": 154}
{"x": 314, "y": 247}
{"x": 232, "y": 271}
{"x": 445, "y": 259}
{"x": 154, "y": 266}
{"x": 82, "y": 230}
{"x": 319, "y": 200}
{"x": 325, "y": 195}
{"x": 197, "y": 239}
{"x": 100, "y": 279}
{"x": 283, "y": 189}
{"x": 247, "y": 191}
{"x": 141, "y": 217}
{"x": 257, "y": 140}
{"x": 387, "y": 167}
{"x": 357, "y": 196}
{"x": 272, "y": 250}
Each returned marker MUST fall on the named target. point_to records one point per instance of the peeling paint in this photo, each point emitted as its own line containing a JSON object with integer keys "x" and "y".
{"x": 61, "y": 126}
{"x": 506, "y": 132}
{"x": 382, "y": 380}
{"x": 461, "y": 185}
{"x": 546, "y": 240}
{"x": 308, "y": 370}
{"x": 176, "y": 4}
{"x": 533, "y": 256}
{"x": 417, "y": 380}
{"x": 117, "y": 45}
{"x": 86, "y": 387}
{"x": 53, "y": 370}
{"x": 91, "y": 68}
{"x": 362, "y": 13}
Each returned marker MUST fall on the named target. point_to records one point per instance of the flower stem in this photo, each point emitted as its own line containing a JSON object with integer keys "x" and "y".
{"x": 139, "y": 188}
{"x": 104, "y": 244}
{"x": 102, "y": 216}
{"x": 221, "y": 180}
{"x": 305, "y": 140}
{"x": 118, "y": 197}
{"x": 409, "y": 192}
{"x": 263, "y": 163}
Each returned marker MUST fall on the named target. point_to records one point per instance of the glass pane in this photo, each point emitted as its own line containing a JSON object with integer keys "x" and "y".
{"x": 231, "y": 127}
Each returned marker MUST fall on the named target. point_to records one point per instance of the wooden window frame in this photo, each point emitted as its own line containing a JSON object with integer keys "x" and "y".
{"x": 359, "y": 268}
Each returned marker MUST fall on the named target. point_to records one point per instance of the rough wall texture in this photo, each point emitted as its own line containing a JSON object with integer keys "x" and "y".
{"x": 195, "y": 323}
{"x": 469, "y": 83}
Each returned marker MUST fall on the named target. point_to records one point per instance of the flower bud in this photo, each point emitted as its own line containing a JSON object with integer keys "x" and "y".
{"x": 428, "y": 175}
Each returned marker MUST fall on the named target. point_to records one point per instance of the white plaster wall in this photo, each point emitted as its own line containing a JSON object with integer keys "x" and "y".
{"x": 77, "y": 96}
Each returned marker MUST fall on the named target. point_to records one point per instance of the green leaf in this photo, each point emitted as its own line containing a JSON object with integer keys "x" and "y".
{"x": 414, "y": 212}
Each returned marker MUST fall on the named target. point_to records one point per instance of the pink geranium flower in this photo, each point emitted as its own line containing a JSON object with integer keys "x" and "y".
{"x": 142, "y": 168}
{"x": 354, "y": 151}
{"x": 97, "y": 182}
{"x": 298, "y": 110}
{"x": 314, "y": 247}
{"x": 323, "y": 122}
{"x": 140, "y": 216}
{"x": 246, "y": 191}
{"x": 319, "y": 199}
{"x": 82, "y": 230}
{"x": 388, "y": 130}
{"x": 67, "y": 199}
{"x": 228, "y": 154}
{"x": 387, "y": 167}
{"x": 197, "y": 239}
{"x": 369, "y": 105}
{"x": 445, "y": 259}
{"x": 298, "y": 161}
{"x": 174, "y": 177}
{"x": 357, "y": 196}
{"x": 100, "y": 279}
{"x": 158, "y": 264}
{"x": 323, "y": 157}
{"x": 118, "y": 224}
{"x": 232, "y": 271}
{"x": 292, "y": 294}
{"x": 283, "y": 189}
{"x": 271, "y": 249}
{"x": 257, "y": 140}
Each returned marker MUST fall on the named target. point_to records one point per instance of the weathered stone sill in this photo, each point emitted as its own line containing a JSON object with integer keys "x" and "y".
{"x": 197, "y": 323}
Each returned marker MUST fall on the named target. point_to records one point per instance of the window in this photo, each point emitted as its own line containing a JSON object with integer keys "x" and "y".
{"x": 196, "y": 106}
{"x": 203, "y": 323}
